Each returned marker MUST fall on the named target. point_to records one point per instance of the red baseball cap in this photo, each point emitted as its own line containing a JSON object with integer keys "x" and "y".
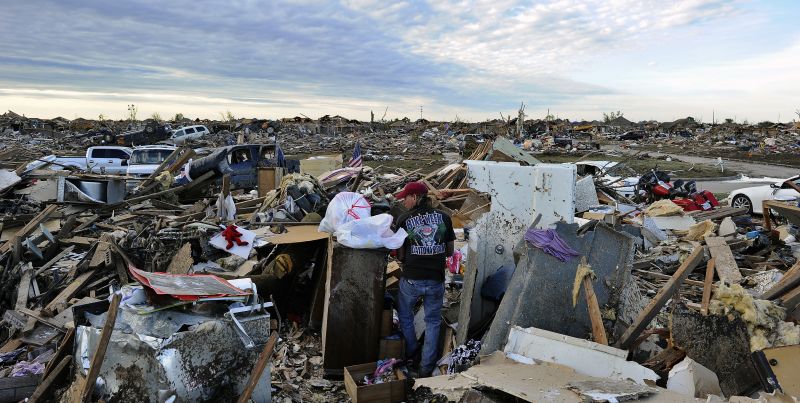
{"x": 412, "y": 188}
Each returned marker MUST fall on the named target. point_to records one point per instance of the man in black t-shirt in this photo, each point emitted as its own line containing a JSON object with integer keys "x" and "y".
{"x": 429, "y": 243}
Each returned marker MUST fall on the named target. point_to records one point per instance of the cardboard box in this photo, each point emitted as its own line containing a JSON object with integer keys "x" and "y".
{"x": 390, "y": 348}
{"x": 394, "y": 391}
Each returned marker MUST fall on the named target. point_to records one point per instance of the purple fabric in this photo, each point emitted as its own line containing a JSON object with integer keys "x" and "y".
{"x": 25, "y": 368}
{"x": 552, "y": 244}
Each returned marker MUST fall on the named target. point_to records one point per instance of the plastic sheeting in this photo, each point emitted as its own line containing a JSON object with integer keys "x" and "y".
{"x": 370, "y": 233}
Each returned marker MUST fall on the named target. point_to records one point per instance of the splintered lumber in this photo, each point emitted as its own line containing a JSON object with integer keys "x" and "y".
{"x": 791, "y": 299}
{"x": 727, "y": 269}
{"x": 28, "y": 228}
{"x": 63, "y": 348}
{"x": 598, "y": 330}
{"x": 89, "y": 221}
{"x": 789, "y": 280}
{"x": 187, "y": 186}
{"x": 54, "y": 375}
{"x": 24, "y": 287}
{"x": 55, "y": 259}
{"x": 100, "y": 353}
{"x": 60, "y": 301}
{"x": 655, "y": 305}
{"x": 162, "y": 166}
{"x": 261, "y": 364}
{"x": 708, "y": 284}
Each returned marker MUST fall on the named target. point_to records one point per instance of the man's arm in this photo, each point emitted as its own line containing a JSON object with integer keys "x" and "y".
{"x": 401, "y": 253}
{"x": 451, "y": 247}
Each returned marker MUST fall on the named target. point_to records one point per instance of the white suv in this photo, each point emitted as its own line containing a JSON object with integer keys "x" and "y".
{"x": 184, "y": 134}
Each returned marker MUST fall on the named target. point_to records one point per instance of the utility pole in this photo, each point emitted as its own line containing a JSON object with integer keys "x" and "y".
{"x": 420, "y": 111}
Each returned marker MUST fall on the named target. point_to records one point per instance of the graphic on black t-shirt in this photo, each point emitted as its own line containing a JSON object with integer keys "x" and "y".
{"x": 427, "y": 234}
{"x": 429, "y": 231}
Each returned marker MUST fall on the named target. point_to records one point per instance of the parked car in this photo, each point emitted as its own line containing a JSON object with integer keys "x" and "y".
{"x": 98, "y": 159}
{"x": 144, "y": 161}
{"x": 751, "y": 197}
{"x": 188, "y": 133}
{"x": 633, "y": 135}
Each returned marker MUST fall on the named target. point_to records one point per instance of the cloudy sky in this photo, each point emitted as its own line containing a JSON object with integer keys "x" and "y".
{"x": 651, "y": 59}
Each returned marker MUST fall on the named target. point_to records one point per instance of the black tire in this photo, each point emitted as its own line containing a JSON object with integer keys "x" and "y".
{"x": 742, "y": 201}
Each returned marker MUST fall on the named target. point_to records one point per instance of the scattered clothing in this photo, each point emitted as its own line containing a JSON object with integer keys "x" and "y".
{"x": 462, "y": 357}
{"x": 384, "y": 372}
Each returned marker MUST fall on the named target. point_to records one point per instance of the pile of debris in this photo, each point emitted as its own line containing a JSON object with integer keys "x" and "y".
{"x": 219, "y": 278}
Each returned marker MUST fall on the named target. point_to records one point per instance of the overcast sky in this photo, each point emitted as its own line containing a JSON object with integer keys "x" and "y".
{"x": 470, "y": 60}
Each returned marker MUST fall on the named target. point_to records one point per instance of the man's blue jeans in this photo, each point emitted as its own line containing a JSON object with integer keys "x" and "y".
{"x": 431, "y": 292}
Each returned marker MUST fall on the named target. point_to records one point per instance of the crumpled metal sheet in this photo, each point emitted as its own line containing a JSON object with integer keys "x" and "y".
{"x": 206, "y": 363}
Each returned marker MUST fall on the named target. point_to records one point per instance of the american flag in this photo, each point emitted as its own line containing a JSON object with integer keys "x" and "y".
{"x": 355, "y": 162}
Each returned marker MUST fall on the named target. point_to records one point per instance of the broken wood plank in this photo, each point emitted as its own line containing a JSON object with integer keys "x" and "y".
{"x": 164, "y": 164}
{"x": 65, "y": 346}
{"x": 598, "y": 330}
{"x": 261, "y": 364}
{"x": 101, "y": 253}
{"x": 708, "y": 284}
{"x": 49, "y": 379}
{"x": 100, "y": 353}
{"x": 11, "y": 345}
{"x": 791, "y": 299}
{"x": 54, "y": 260}
{"x": 188, "y": 186}
{"x": 36, "y": 315}
{"x": 727, "y": 269}
{"x": 655, "y": 305}
{"x": 24, "y": 288}
{"x": 89, "y": 221}
{"x": 789, "y": 280}
{"x": 59, "y": 302}
{"x": 79, "y": 240}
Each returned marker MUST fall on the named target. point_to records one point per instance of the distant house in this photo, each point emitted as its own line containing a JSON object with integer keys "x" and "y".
{"x": 620, "y": 124}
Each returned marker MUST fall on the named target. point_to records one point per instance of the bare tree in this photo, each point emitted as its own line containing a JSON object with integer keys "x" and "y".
{"x": 132, "y": 110}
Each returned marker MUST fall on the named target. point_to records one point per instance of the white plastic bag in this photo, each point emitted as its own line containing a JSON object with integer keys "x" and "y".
{"x": 370, "y": 233}
{"x": 345, "y": 207}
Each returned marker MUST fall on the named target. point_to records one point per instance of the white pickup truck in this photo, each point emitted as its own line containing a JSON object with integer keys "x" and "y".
{"x": 98, "y": 159}
{"x": 144, "y": 161}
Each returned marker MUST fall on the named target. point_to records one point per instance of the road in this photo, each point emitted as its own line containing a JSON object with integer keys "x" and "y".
{"x": 753, "y": 170}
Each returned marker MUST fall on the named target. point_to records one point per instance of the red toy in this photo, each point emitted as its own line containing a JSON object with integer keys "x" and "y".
{"x": 232, "y": 235}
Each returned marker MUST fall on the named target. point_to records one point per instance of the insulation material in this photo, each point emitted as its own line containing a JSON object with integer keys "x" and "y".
{"x": 663, "y": 208}
{"x": 764, "y": 318}
{"x": 701, "y": 230}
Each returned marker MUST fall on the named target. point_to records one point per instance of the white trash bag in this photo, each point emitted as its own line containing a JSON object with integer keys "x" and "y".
{"x": 345, "y": 207}
{"x": 370, "y": 233}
